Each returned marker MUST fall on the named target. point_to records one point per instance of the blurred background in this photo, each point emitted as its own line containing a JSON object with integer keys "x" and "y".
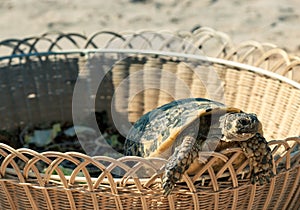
{"x": 272, "y": 21}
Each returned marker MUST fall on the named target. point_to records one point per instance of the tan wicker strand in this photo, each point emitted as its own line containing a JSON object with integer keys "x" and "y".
{"x": 292, "y": 190}
{"x": 30, "y": 164}
{"x": 109, "y": 168}
{"x": 167, "y": 85}
{"x": 9, "y": 160}
{"x": 184, "y": 76}
{"x": 47, "y": 199}
{"x": 119, "y": 75}
{"x": 136, "y": 97}
{"x": 90, "y": 160}
{"x": 82, "y": 167}
{"x": 8, "y": 198}
{"x": 252, "y": 197}
{"x": 151, "y": 78}
{"x": 133, "y": 172}
{"x": 283, "y": 98}
{"x": 53, "y": 166}
{"x": 230, "y": 94}
{"x": 291, "y": 71}
{"x": 273, "y": 60}
{"x": 189, "y": 182}
{"x": 211, "y": 43}
{"x": 228, "y": 165}
{"x": 272, "y": 89}
{"x": 280, "y": 151}
{"x": 72, "y": 178}
{"x": 244, "y": 89}
{"x": 26, "y": 169}
{"x": 295, "y": 203}
{"x": 245, "y": 52}
{"x": 104, "y": 39}
{"x": 209, "y": 164}
{"x": 200, "y": 76}
{"x": 270, "y": 194}
{"x": 70, "y": 199}
{"x": 288, "y": 120}
{"x": 171, "y": 202}
{"x": 235, "y": 200}
{"x": 172, "y": 42}
{"x": 143, "y": 41}
{"x": 279, "y": 200}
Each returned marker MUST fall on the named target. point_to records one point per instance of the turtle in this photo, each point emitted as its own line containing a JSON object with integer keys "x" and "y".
{"x": 179, "y": 130}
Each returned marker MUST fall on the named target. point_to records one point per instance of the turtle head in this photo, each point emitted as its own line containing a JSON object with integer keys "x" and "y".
{"x": 240, "y": 126}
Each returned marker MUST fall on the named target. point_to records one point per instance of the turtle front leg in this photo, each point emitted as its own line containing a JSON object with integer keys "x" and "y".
{"x": 178, "y": 163}
{"x": 260, "y": 157}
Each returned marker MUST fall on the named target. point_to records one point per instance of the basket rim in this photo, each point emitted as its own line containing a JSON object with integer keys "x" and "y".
{"x": 130, "y": 176}
{"x": 202, "y": 58}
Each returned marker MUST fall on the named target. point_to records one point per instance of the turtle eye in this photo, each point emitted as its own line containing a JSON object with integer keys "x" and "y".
{"x": 244, "y": 122}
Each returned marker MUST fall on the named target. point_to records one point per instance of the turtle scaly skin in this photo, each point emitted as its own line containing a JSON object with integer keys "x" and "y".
{"x": 178, "y": 131}
{"x": 179, "y": 162}
{"x": 260, "y": 157}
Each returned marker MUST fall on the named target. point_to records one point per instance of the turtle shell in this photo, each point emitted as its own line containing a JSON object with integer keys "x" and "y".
{"x": 156, "y": 133}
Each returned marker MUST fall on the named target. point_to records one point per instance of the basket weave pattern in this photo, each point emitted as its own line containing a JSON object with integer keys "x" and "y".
{"x": 40, "y": 88}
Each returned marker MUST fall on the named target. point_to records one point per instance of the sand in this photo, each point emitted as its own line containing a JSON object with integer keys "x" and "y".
{"x": 272, "y": 21}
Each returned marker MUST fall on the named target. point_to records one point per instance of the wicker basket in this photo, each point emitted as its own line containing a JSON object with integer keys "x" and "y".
{"x": 37, "y": 85}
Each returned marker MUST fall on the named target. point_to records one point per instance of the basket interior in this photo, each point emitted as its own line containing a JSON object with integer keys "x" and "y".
{"x": 37, "y": 91}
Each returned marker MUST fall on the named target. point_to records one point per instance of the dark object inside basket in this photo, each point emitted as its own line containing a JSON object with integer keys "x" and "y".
{"x": 59, "y": 136}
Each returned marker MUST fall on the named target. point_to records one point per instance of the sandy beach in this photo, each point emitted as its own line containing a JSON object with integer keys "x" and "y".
{"x": 264, "y": 21}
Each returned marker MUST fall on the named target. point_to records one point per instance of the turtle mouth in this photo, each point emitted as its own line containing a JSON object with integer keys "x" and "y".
{"x": 237, "y": 137}
{"x": 244, "y": 136}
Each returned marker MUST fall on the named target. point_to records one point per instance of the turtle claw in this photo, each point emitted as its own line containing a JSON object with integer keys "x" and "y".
{"x": 178, "y": 163}
{"x": 262, "y": 177}
{"x": 170, "y": 177}
{"x": 167, "y": 186}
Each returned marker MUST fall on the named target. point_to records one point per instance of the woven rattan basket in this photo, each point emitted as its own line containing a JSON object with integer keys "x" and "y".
{"x": 38, "y": 78}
